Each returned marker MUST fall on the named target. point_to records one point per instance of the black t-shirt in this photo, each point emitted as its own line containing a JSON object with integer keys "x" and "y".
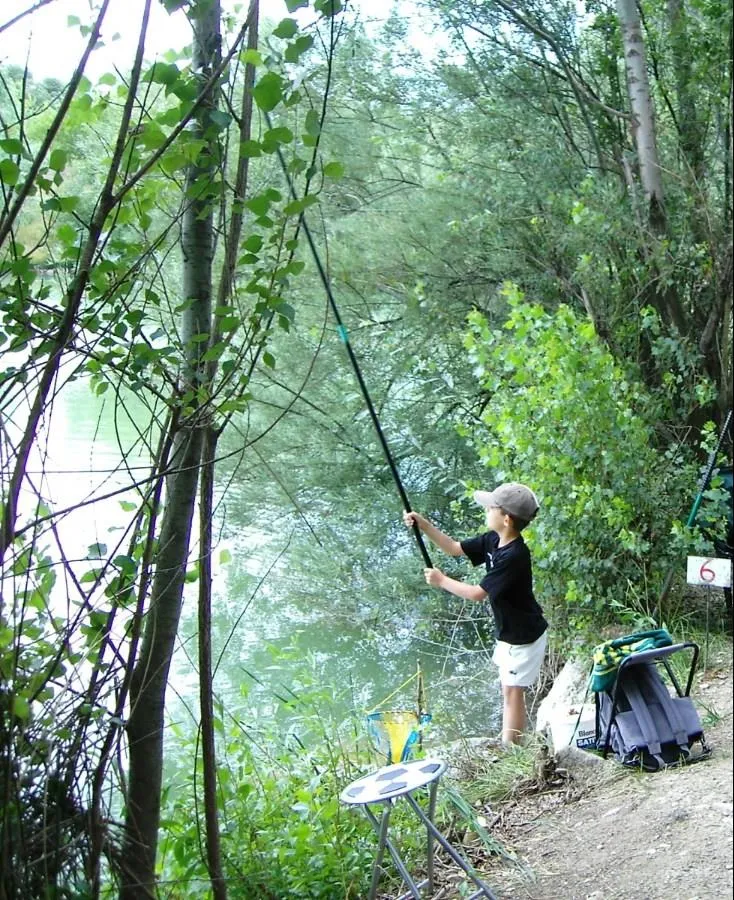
{"x": 518, "y": 617}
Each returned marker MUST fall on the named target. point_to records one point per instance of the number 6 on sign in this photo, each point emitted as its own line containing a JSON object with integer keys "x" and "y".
{"x": 708, "y": 571}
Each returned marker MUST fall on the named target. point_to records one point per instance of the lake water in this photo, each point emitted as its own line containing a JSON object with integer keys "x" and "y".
{"x": 266, "y": 645}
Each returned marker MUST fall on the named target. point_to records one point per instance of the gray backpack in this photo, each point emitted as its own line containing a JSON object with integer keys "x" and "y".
{"x": 643, "y": 725}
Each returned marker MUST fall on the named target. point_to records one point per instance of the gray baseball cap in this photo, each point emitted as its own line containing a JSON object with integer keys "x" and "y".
{"x": 515, "y": 498}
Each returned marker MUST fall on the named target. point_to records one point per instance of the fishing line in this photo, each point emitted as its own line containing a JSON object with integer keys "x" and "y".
{"x": 344, "y": 336}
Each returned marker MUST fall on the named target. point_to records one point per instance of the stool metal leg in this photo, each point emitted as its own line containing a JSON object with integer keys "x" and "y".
{"x": 433, "y": 788}
{"x": 459, "y": 860}
{"x": 381, "y": 827}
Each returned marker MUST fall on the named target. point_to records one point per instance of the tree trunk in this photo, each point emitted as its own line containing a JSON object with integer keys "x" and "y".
{"x": 148, "y": 688}
{"x": 665, "y": 299}
{"x": 690, "y": 132}
{"x": 206, "y": 508}
{"x": 643, "y": 126}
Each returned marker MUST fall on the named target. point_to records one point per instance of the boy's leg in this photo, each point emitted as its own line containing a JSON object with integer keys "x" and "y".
{"x": 513, "y": 713}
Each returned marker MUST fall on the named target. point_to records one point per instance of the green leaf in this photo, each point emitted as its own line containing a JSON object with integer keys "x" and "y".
{"x": 57, "y": 160}
{"x": 293, "y": 5}
{"x": 96, "y": 551}
{"x": 91, "y": 575}
{"x": 152, "y": 136}
{"x": 9, "y": 172}
{"x": 294, "y": 51}
{"x": 173, "y": 162}
{"x": 224, "y": 557}
{"x": 287, "y": 311}
{"x": 268, "y": 92}
{"x": 250, "y": 149}
{"x": 213, "y": 353}
{"x": 68, "y": 204}
{"x": 253, "y": 243}
{"x": 126, "y": 564}
{"x": 81, "y": 109}
{"x": 66, "y": 233}
{"x": 23, "y": 269}
{"x": 296, "y": 165}
{"x": 286, "y": 29}
{"x": 269, "y": 359}
{"x": 230, "y": 323}
{"x": 38, "y": 601}
{"x": 298, "y": 206}
{"x": 328, "y": 8}
{"x": 98, "y": 620}
{"x": 313, "y": 123}
{"x": 220, "y": 118}
{"x": 251, "y": 57}
{"x": 281, "y": 135}
{"x": 334, "y": 170}
{"x": 162, "y": 73}
{"x": 258, "y": 205}
{"x": 20, "y": 708}
{"x": 12, "y": 146}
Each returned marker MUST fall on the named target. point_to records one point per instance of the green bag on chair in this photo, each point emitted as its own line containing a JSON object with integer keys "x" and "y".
{"x": 609, "y": 655}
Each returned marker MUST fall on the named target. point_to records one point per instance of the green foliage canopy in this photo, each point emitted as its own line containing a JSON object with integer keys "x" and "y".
{"x": 562, "y": 414}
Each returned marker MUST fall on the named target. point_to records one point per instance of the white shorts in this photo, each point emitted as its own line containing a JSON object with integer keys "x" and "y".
{"x": 519, "y": 664}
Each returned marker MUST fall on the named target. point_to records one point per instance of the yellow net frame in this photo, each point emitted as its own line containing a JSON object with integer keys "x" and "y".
{"x": 395, "y": 733}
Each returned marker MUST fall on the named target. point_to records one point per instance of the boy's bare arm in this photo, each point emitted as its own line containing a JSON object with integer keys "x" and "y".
{"x": 441, "y": 540}
{"x": 439, "y": 579}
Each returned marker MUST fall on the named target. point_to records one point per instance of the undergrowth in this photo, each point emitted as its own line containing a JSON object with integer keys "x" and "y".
{"x": 285, "y": 833}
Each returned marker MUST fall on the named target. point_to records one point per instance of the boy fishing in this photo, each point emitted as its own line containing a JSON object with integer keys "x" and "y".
{"x": 519, "y": 625}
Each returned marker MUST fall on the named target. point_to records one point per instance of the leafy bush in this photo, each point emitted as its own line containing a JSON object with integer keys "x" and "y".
{"x": 285, "y": 833}
{"x": 562, "y": 415}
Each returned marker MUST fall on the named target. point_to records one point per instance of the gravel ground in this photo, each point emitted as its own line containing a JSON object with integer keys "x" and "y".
{"x": 610, "y": 834}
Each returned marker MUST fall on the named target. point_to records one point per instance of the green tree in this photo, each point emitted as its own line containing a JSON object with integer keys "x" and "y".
{"x": 563, "y": 415}
{"x": 575, "y": 183}
{"x": 109, "y": 310}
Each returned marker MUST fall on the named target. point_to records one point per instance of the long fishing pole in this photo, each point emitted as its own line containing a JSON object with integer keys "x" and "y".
{"x": 711, "y": 464}
{"x": 344, "y": 336}
{"x": 707, "y": 474}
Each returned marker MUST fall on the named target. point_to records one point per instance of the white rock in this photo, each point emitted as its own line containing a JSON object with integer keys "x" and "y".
{"x": 568, "y": 691}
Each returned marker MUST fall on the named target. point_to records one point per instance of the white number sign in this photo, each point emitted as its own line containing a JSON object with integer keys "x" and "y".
{"x": 709, "y": 571}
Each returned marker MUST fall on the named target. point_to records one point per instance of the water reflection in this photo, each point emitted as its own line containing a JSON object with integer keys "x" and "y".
{"x": 276, "y": 648}
{"x": 270, "y": 643}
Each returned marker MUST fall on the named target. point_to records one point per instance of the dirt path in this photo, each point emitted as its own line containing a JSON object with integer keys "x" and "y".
{"x": 609, "y": 834}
